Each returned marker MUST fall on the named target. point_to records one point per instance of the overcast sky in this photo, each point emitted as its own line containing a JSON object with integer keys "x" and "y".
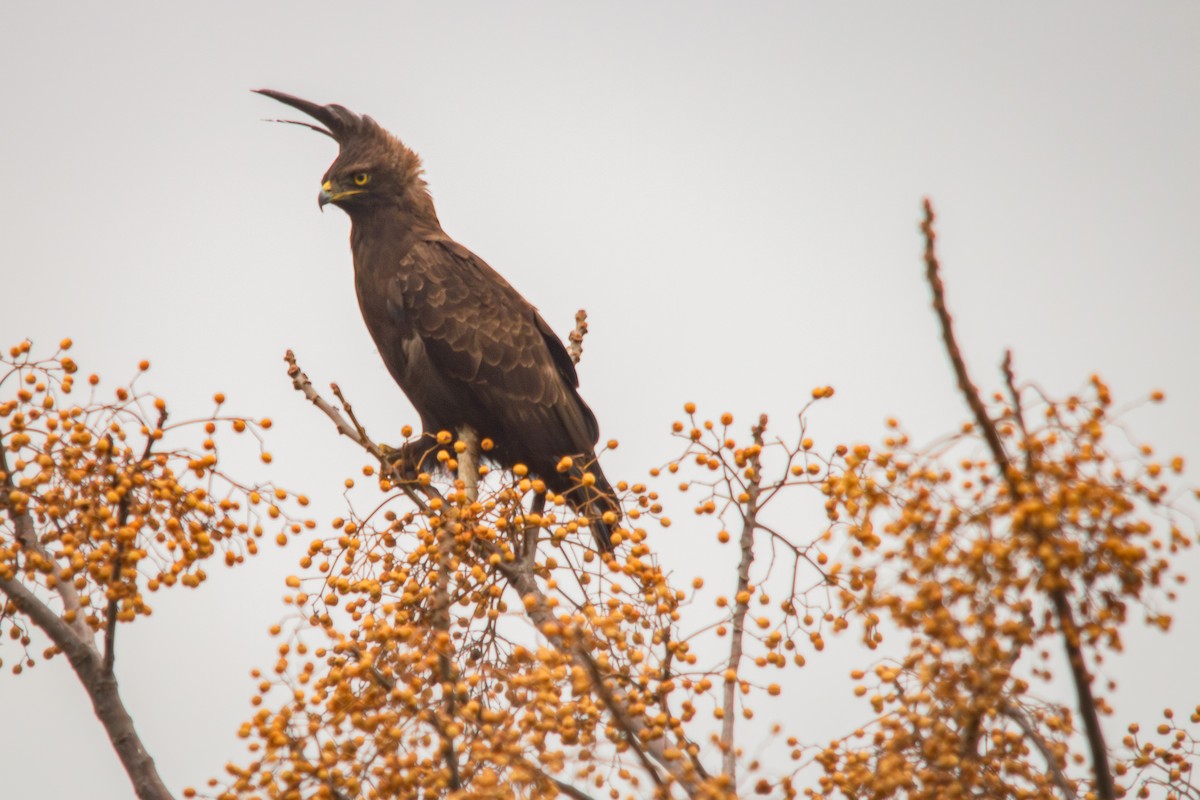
{"x": 731, "y": 190}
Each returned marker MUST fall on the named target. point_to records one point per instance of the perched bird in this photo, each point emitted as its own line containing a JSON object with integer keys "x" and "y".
{"x": 462, "y": 343}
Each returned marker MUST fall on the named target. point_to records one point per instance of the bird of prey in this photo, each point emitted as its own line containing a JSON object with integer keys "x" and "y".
{"x": 461, "y": 342}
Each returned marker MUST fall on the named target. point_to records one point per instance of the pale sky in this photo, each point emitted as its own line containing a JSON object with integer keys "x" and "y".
{"x": 732, "y": 191}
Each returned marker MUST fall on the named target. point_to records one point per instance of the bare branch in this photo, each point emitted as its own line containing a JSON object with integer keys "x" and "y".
{"x": 970, "y": 393}
{"x": 354, "y": 432}
{"x": 351, "y": 430}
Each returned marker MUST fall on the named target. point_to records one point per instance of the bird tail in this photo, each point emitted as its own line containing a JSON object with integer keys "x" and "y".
{"x": 596, "y": 500}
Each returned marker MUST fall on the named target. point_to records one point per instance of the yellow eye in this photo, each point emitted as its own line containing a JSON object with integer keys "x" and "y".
{"x": 362, "y": 178}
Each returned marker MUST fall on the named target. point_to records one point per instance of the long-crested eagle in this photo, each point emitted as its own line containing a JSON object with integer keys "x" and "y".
{"x": 463, "y": 344}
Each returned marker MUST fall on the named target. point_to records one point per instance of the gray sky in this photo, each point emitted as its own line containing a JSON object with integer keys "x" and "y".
{"x": 732, "y": 192}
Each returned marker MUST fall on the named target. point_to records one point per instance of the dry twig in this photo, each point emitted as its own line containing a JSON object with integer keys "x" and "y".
{"x": 575, "y": 348}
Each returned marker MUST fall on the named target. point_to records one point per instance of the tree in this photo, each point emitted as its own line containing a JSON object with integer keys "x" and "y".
{"x": 459, "y": 636}
{"x": 102, "y": 509}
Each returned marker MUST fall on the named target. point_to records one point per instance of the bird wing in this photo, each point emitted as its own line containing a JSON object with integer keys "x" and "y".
{"x": 477, "y": 329}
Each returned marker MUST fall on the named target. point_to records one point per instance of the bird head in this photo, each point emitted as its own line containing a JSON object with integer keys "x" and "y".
{"x": 373, "y": 168}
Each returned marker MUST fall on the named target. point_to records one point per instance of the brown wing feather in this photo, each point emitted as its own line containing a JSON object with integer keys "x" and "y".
{"x": 478, "y": 330}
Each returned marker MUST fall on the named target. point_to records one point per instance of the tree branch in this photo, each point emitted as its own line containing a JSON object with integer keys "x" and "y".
{"x": 337, "y": 392}
{"x": 101, "y": 687}
{"x": 1105, "y": 786}
{"x": 468, "y": 462}
{"x": 468, "y": 475}
{"x": 353, "y": 431}
{"x": 529, "y": 531}
{"x": 112, "y": 613}
{"x": 565, "y": 788}
{"x": 519, "y": 574}
{"x": 969, "y": 392}
{"x": 614, "y": 700}
{"x": 741, "y": 607}
{"x": 1010, "y": 382}
{"x": 26, "y": 536}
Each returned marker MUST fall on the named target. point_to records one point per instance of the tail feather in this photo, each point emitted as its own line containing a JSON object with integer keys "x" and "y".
{"x": 594, "y": 502}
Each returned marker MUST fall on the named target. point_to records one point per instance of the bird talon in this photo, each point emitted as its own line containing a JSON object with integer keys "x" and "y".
{"x": 408, "y": 460}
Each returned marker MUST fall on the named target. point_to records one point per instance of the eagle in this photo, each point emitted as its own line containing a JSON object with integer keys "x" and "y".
{"x": 464, "y": 346}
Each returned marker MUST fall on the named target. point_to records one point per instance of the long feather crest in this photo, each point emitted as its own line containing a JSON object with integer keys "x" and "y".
{"x": 339, "y": 122}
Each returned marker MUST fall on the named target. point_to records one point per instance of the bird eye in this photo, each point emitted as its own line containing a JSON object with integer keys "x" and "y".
{"x": 362, "y": 178}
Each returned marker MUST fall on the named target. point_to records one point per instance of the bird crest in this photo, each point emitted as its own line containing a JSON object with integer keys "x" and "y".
{"x": 358, "y": 136}
{"x": 468, "y": 350}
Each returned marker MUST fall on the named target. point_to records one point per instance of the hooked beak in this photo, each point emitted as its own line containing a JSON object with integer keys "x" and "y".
{"x": 328, "y": 195}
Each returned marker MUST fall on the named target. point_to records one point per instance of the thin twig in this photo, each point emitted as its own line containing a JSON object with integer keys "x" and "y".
{"x": 114, "y": 605}
{"x": 741, "y": 607}
{"x": 337, "y": 392}
{"x": 1010, "y": 381}
{"x": 1018, "y": 716}
{"x": 111, "y": 615}
{"x": 620, "y": 715}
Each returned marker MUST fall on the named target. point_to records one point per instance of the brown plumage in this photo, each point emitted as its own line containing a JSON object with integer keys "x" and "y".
{"x": 462, "y": 343}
